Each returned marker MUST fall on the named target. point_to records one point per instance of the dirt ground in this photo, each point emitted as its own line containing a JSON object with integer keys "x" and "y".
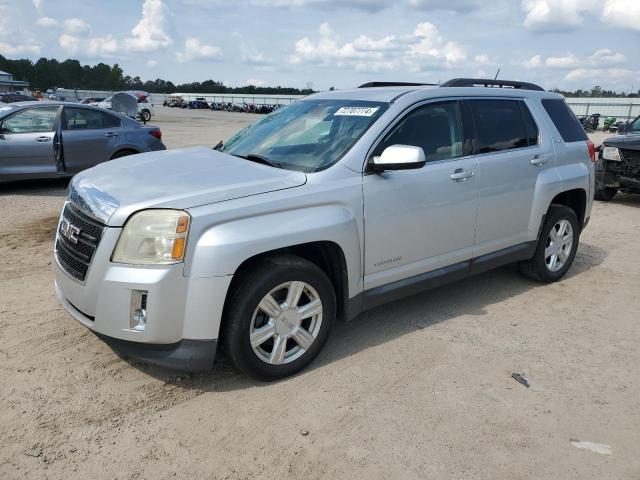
{"x": 416, "y": 389}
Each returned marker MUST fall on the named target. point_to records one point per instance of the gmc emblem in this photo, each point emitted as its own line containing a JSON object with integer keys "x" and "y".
{"x": 69, "y": 230}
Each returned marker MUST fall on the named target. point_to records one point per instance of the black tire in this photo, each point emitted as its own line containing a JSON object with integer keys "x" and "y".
{"x": 605, "y": 194}
{"x": 536, "y": 267}
{"x": 251, "y": 287}
{"x": 123, "y": 153}
{"x": 145, "y": 115}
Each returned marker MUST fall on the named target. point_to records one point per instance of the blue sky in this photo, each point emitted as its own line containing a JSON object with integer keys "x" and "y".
{"x": 342, "y": 43}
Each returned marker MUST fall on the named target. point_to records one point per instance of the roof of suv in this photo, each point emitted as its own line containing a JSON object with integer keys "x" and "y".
{"x": 388, "y": 94}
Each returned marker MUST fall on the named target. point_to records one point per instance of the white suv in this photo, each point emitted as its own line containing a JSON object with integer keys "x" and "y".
{"x": 145, "y": 109}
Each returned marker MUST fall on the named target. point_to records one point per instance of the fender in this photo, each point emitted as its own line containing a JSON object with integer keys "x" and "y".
{"x": 552, "y": 182}
{"x": 222, "y": 248}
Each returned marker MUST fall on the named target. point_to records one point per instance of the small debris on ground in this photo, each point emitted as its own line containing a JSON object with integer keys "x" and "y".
{"x": 34, "y": 451}
{"x": 304, "y": 433}
{"x": 520, "y": 378}
{"x": 591, "y": 446}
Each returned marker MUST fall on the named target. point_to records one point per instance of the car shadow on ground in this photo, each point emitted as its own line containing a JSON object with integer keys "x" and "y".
{"x": 55, "y": 187}
{"x": 469, "y": 297}
{"x": 631, "y": 199}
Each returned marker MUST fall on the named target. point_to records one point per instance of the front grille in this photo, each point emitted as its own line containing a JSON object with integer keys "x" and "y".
{"x": 75, "y": 254}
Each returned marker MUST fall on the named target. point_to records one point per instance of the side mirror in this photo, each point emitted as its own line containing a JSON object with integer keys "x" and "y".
{"x": 398, "y": 157}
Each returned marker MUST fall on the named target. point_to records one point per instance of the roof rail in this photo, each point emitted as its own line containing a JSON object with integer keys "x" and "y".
{"x": 394, "y": 84}
{"x": 487, "y": 82}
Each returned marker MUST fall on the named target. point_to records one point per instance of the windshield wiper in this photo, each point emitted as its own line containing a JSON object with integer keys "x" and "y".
{"x": 254, "y": 157}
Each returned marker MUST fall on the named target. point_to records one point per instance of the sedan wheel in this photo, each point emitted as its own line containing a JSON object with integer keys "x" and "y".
{"x": 286, "y": 323}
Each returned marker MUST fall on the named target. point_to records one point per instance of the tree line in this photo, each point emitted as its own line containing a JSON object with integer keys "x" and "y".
{"x": 51, "y": 73}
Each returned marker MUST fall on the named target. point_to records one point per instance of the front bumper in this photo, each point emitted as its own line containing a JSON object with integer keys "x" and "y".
{"x": 183, "y": 313}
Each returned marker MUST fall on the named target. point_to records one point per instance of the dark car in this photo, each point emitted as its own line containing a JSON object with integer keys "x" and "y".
{"x": 198, "y": 103}
{"x": 618, "y": 168}
{"x": 54, "y": 139}
{"x": 11, "y": 97}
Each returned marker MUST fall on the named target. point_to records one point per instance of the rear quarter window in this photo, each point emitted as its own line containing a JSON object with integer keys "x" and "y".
{"x": 564, "y": 119}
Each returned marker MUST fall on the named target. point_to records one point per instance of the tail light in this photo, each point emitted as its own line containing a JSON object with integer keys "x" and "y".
{"x": 158, "y": 134}
{"x": 592, "y": 150}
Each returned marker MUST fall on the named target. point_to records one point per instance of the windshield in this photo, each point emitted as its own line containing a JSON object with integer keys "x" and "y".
{"x": 308, "y": 135}
{"x": 635, "y": 126}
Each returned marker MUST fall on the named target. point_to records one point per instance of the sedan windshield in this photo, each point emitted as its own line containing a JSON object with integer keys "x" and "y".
{"x": 308, "y": 135}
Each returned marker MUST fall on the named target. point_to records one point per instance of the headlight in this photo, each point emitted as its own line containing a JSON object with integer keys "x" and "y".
{"x": 153, "y": 237}
{"x": 611, "y": 153}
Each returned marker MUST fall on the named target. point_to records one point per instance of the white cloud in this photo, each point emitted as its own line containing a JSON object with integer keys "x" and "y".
{"x": 424, "y": 48}
{"x": 622, "y": 13}
{"x": 555, "y": 15}
{"x": 47, "y": 22}
{"x": 533, "y": 62}
{"x": 37, "y": 4}
{"x": 452, "y": 5}
{"x": 432, "y": 51}
{"x": 604, "y": 57}
{"x": 194, "y": 50}
{"x": 152, "y": 63}
{"x": 76, "y": 26}
{"x": 607, "y": 76}
{"x": 150, "y": 33}
{"x": 567, "y": 15}
{"x": 256, "y": 82}
{"x": 106, "y": 46}
{"x": 482, "y": 59}
{"x": 19, "y": 49}
{"x": 255, "y": 57}
{"x": 568, "y": 61}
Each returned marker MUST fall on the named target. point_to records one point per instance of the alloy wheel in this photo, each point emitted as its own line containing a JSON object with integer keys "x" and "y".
{"x": 559, "y": 244}
{"x": 286, "y": 323}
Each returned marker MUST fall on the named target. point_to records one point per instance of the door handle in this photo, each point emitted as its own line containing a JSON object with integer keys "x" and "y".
{"x": 43, "y": 139}
{"x": 110, "y": 134}
{"x": 538, "y": 160}
{"x": 460, "y": 175}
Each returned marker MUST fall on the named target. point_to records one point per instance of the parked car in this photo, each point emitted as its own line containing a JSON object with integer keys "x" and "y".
{"x": 145, "y": 109}
{"x": 12, "y": 97}
{"x": 328, "y": 207}
{"x": 54, "y": 139}
{"x": 618, "y": 168}
{"x": 174, "y": 101}
{"x": 198, "y": 103}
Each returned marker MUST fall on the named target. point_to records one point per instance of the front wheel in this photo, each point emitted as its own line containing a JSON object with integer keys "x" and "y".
{"x": 556, "y": 248}
{"x": 278, "y": 317}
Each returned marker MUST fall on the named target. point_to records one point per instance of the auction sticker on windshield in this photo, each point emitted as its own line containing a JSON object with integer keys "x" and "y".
{"x": 357, "y": 111}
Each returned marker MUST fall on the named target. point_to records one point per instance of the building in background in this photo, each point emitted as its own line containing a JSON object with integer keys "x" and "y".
{"x": 8, "y": 84}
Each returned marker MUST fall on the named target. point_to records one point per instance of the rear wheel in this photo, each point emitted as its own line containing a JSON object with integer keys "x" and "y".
{"x": 278, "y": 317}
{"x": 556, "y": 248}
{"x": 123, "y": 153}
{"x": 145, "y": 115}
{"x": 606, "y": 193}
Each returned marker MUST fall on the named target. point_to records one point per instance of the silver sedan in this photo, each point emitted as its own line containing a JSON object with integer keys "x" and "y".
{"x": 54, "y": 139}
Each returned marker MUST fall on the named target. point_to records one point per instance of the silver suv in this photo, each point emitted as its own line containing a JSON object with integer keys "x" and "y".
{"x": 322, "y": 210}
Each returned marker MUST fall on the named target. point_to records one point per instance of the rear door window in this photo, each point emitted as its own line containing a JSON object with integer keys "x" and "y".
{"x": 500, "y": 125}
{"x": 564, "y": 119}
{"x": 88, "y": 119}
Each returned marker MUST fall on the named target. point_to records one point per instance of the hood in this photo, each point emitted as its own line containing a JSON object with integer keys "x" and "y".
{"x": 180, "y": 179}
{"x": 624, "y": 140}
